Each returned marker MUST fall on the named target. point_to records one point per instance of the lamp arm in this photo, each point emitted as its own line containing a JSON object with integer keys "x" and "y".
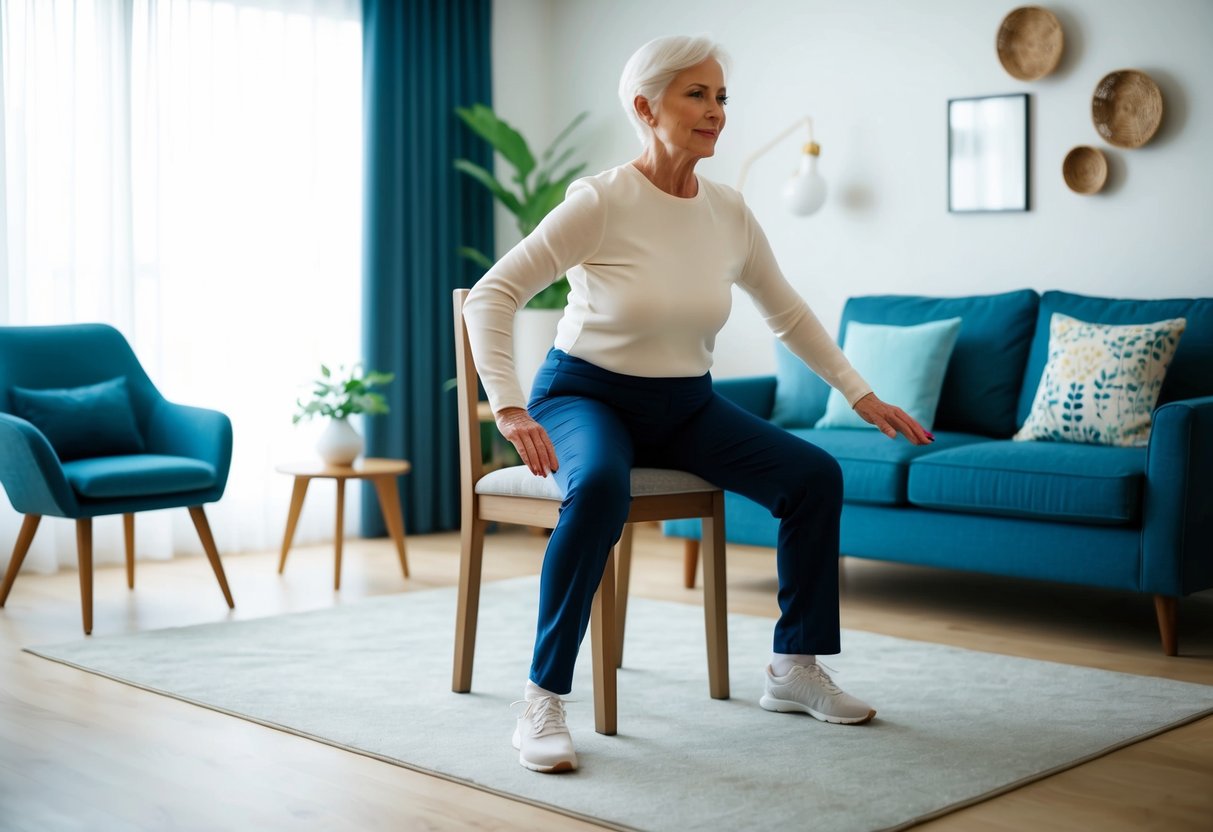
{"x": 749, "y": 160}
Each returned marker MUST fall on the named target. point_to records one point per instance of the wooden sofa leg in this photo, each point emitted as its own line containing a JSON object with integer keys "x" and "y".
{"x": 1166, "y": 609}
{"x": 24, "y": 538}
{"x": 690, "y": 562}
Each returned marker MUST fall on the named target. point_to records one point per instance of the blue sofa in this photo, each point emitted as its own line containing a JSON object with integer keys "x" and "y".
{"x": 1123, "y": 518}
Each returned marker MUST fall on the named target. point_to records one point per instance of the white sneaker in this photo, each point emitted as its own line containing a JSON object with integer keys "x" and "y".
{"x": 542, "y": 737}
{"x": 810, "y": 690}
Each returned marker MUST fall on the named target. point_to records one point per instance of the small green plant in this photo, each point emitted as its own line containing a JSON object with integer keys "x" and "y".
{"x": 342, "y": 394}
{"x": 533, "y": 198}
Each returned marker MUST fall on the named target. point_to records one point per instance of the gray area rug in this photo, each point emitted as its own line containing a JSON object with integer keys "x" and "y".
{"x": 954, "y": 726}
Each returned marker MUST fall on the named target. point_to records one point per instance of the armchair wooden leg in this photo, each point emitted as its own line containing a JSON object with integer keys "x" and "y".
{"x": 715, "y": 606}
{"x": 292, "y": 518}
{"x": 212, "y": 554}
{"x": 471, "y": 545}
{"x": 393, "y": 518}
{"x": 690, "y": 562}
{"x": 1166, "y": 609}
{"x": 84, "y": 554}
{"x": 24, "y": 538}
{"x": 128, "y": 534}
{"x": 606, "y": 653}
{"x": 623, "y": 572}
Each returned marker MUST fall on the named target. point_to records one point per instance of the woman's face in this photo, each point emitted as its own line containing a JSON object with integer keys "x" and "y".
{"x": 690, "y": 114}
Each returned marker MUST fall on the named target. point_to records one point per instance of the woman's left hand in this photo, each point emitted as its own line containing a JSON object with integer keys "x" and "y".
{"x": 892, "y": 420}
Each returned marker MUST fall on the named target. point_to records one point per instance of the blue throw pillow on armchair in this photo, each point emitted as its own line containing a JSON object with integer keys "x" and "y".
{"x": 79, "y": 422}
{"x": 904, "y": 364}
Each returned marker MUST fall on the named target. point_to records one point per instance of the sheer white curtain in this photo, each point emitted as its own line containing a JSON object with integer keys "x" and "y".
{"x": 190, "y": 172}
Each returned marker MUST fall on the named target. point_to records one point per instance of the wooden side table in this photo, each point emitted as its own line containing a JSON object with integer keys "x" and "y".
{"x": 381, "y": 472}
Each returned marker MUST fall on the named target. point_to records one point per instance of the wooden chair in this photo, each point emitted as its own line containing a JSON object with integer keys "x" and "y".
{"x": 514, "y": 495}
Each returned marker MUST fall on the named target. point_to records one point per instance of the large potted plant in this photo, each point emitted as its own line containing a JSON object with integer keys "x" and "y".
{"x": 534, "y": 189}
{"x": 337, "y": 397}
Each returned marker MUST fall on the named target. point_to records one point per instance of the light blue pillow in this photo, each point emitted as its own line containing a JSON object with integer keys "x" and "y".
{"x": 904, "y": 364}
{"x": 800, "y": 394}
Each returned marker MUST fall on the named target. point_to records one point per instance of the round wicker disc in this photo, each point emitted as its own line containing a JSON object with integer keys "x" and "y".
{"x": 1085, "y": 170}
{"x": 1030, "y": 43}
{"x": 1127, "y": 108}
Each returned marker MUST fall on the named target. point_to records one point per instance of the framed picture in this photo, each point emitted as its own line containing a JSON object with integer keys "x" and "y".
{"x": 988, "y": 153}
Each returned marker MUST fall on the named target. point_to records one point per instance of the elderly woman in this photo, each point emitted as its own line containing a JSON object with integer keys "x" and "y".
{"x": 652, "y": 252}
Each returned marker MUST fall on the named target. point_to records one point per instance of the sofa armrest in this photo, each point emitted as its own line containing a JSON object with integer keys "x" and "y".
{"x": 195, "y": 432}
{"x": 1177, "y": 532}
{"x": 31, "y": 472}
{"x": 753, "y": 393}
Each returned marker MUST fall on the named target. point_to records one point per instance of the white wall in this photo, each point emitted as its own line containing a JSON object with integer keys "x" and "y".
{"x": 876, "y": 75}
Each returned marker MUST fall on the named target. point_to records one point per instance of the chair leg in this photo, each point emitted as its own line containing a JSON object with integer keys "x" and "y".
{"x": 1166, "y": 609}
{"x": 84, "y": 554}
{"x": 292, "y": 518}
{"x": 623, "y": 572}
{"x": 212, "y": 554}
{"x": 471, "y": 546}
{"x": 24, "y": 538}
{"x": 715, "y": 606}
{"x": 690, "y": 561}
{"x": 389, "y": 504}
{"x": 606, "y": 653}
{"x": 128, "y": 534}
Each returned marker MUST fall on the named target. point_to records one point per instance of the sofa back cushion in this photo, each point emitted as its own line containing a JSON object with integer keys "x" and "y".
{"x": 1191, "y": 372}
{"x": 981, "y": 387}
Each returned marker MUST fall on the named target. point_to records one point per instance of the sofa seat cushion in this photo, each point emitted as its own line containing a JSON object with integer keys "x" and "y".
{"x": 1040, "y": 480}
{"x": 138, "y": 475}
{"x": 874, "y": 467}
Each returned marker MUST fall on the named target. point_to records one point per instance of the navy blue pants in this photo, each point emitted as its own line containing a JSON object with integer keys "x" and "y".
{"x": 603, "y": 424}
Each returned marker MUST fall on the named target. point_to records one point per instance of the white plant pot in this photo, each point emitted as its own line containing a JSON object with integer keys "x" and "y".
{"x": 534, "y": 333}
{"x": 339, "y": 443}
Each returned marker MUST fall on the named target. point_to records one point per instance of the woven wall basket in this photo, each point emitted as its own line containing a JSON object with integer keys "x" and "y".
{"x": 1085, "y": 170}
{"x": 1030, "y": 43}
{"x": 1127, "y": 108}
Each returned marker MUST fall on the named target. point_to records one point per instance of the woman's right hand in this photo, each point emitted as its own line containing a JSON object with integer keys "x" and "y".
{"x": 529, "y": 438}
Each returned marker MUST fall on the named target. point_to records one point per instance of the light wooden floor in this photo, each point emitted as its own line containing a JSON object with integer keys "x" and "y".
{"x": 81, "y": 752}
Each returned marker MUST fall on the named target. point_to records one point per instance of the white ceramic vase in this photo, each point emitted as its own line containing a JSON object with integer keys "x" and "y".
{"x": 534, "y": 332}
{"x": 339, "y": 443}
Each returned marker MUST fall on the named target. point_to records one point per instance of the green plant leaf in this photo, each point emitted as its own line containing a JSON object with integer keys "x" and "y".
{"x": 564, "y": 134}
{"x": 508, "y": 199}
{"x": 505, "y": 139}
{"x": 476, "y": 256}
{"x": 551, "y": 297}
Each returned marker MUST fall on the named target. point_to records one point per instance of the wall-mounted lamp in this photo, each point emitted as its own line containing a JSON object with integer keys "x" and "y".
{"x": 806, "y": 191}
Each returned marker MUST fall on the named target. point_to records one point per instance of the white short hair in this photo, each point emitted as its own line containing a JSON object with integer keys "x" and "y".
{"x": 653, "y": 66}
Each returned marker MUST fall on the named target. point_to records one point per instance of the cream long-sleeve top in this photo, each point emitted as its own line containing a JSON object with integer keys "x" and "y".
{"x": 651, "y": 278}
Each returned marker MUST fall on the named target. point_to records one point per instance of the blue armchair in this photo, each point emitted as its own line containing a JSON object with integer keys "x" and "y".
{"x": 84, "y": 433}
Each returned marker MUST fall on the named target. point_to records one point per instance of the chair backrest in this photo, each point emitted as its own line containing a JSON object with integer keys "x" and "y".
{"x": 471, "y": 465}
{"x": 72, "y": 355}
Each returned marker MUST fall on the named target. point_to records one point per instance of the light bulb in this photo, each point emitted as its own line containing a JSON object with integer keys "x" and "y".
{"x": 806, "y": 191}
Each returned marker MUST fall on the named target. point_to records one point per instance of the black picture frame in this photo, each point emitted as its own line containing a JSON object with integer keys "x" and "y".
{"x": 989, "y": 154}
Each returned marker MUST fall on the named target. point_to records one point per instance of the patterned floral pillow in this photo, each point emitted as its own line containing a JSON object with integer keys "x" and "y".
{"x": 1101, "y": 381}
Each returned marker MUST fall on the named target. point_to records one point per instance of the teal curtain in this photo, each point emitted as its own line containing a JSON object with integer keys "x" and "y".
{"x": 421, "y": 59}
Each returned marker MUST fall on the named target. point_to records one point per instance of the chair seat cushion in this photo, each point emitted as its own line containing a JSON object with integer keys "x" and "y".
{"x": 874, "y": 467}
{"x": 518, "y": 481}
{"x": 138, "y": 475}
{"x": 1057, "y": 481}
